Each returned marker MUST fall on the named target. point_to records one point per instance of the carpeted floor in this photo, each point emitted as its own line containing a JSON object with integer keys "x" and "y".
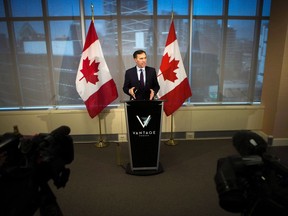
{"x": 99, "y": 185}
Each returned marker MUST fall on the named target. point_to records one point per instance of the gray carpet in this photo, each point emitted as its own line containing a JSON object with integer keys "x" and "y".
{"x": 99, "y": 185}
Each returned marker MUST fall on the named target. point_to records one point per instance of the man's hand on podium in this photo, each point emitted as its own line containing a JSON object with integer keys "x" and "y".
{"x": 152, "y": 94}
{"x": 132, "y": 93}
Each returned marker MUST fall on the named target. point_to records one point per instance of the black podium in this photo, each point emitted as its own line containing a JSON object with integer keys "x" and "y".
{"x": 143, "y": 120}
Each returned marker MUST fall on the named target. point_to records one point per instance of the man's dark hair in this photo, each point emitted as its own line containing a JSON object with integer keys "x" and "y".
{"x": 137, "y": 52}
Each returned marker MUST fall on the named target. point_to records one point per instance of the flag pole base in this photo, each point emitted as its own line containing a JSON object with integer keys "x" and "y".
{"x": 171, "y": 142}
{"x": 101, "y": 144}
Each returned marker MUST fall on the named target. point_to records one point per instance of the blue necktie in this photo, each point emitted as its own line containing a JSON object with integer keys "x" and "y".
{"x": 141, "y": 78}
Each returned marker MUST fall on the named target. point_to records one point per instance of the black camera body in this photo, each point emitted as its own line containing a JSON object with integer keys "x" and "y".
{"x": 27, "y": 164}
{"x": 254, "y": 182}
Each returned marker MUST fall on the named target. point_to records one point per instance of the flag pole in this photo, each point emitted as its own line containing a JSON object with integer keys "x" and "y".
{"x": 171, "y": 141}
{"x": 101, "y": 142}
{"x": 92, "y": 12}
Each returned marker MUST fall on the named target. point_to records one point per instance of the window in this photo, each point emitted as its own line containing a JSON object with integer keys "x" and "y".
{"x": 208, "y": 7}
{"x": 228, "y": 51}
{"x": 222, "y": 43}
{"x": 33, "y": 76}
{"x": 9, "y": 92}
{"x": 19, "y": 9}
{"x": 242, "y": 7}
{"x": 2, "y": 11}
{"x": 179, "y": 8}
{"x": 57, "y": 8}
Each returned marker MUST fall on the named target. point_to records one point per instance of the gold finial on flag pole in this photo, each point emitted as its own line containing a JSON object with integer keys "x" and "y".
{"x": 172, "y": 13}
{"x": 92, "y": 11}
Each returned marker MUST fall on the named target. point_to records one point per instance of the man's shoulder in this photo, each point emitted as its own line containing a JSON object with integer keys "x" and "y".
{"x": 147, "y": 68}
{"x": 131, "y": 69}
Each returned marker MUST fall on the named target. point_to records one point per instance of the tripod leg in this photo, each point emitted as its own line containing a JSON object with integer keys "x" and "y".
{"x": 48, "y": 203}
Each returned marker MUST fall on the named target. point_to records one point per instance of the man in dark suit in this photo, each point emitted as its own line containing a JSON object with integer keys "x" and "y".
{"x": 137, "y": 86}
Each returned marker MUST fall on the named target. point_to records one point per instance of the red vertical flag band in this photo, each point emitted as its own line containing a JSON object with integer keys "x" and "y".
{"x": 172, "y": 78}
{"x": 94, "y": 82}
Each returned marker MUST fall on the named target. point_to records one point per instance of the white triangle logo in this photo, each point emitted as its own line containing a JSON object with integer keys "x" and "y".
{"x": 144, "y": 121}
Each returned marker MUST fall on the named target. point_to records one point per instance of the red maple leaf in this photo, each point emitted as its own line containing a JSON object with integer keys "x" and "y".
{"x": 167, "y": 68}
{"x": 89, "y": 71}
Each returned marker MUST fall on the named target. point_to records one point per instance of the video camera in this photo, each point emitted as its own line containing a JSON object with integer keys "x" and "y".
{"x": 27, "y": 164}
{"x": 254, "y": 182}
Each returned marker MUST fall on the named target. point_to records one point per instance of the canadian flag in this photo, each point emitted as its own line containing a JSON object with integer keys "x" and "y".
{"x": 94, "y": 82}
{"x": 172, "y": 78}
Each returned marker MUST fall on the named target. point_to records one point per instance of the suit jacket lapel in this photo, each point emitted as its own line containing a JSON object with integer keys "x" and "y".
{"x": 135, "y": 74}
{"x": 146, "y": 74}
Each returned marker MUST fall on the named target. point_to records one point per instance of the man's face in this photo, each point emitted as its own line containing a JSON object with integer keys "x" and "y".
{"x": 141, "y": 60}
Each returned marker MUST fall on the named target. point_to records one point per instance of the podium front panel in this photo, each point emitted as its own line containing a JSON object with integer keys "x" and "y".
{"x": 144, "y": 132}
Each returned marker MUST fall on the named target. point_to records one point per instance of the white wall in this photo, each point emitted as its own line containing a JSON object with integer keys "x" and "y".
{"x": 186, "y": 119}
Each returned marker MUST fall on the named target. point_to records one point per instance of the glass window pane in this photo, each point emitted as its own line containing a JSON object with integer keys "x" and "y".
{"x": 30, "y": 37}
{"x": 139, "y": 7}
{"x": 62, "y": 8}
{"x": 4, "y": 39}
{"x": 32, "y": 65}
{"x": 136, "y": 34}
{"x": 2, "y": 11}
{"x": 261, "y": 60}
{"x": 242, "y": 7}
{"x": 208, "y": 7}
{"x": 266, "y": 8}
{"x": 8, "y": 83}
{"x": 206, "y": 46}
{"x": 182, "y": 34}
{"x": 181, "y": 7}
{"x": 102, "y": 7}
{"x": 105, "y": 30}
{"x": 66, "y": 37}
{"x": 238, "y": 60}
{"x": 66, "y": 52}
{"x": 21, "y": 8}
